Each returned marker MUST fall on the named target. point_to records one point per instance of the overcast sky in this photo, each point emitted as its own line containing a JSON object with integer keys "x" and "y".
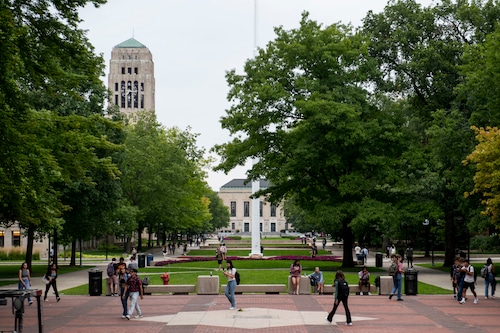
{"x": 194, "y": 43}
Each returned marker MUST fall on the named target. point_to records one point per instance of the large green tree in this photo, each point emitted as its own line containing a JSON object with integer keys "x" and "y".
{"x": 302, "y": 108}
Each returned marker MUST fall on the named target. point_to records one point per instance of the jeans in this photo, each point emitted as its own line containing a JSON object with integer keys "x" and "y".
{"x": 342, "y": 299}
{"x": 124, "y": 300}
{"x": 490, "y": 279}
{"x": 396, "y": 280}
{"x": 460, "y": 283}
{"x": 27, "y": 283}
{"x": 134, "y": 304}
{"x": 231, "y": 286}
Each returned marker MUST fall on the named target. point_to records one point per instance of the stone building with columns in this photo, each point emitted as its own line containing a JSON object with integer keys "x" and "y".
{"x": 236, "y": 196}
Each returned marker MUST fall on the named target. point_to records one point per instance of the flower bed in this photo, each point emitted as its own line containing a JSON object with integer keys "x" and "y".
{"x": 290, "y": 258}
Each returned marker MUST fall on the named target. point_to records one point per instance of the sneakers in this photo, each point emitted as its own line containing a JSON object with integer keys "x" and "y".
{"x": 232, "y": 308}
{"x": 361, "y": 293}
{"x": 138, "y": 316}
{"x": 476, "y": 300}
{"x": 390, "y": 296}
{"x": 30, "y": 302}
{"x": 348, "y": 324}
{"x": 400, "y": 299}
{"x": 123, "y": 317}
{"x": 462, "y": 301}
{"x": 486, "y": 297}
{"x": 128, "y": 317}
{"x": 58, "y": 299}
{"x": 328, "y": 320}
{"x": 369, "y": 293}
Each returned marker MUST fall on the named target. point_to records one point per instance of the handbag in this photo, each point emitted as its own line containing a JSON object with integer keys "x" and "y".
{"x": 45, "y": 280}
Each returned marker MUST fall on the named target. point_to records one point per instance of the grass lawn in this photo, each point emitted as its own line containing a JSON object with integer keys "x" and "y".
{"x": 37, "y": 270}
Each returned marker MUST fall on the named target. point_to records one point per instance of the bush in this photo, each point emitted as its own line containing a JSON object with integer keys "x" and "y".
{"x": 233, "y": 238}
{"x": 485, "y": 243}
{"x": 111, "y": 247}
{"x": 16, "y": 254}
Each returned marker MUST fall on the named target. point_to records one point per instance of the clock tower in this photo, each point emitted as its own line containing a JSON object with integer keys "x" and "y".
{"x": 131, "y": 77}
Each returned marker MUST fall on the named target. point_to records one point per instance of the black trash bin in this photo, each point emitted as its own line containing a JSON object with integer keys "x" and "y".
{"x": 378, "y": 259}
{"x": 149, "y": 259}
{"x": 411, "y": 281}
{"x": 95, "y": 282}
{"x": 141, "y": 260}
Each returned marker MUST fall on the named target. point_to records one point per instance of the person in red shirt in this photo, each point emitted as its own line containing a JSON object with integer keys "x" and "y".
{"x": 134, "y": 289}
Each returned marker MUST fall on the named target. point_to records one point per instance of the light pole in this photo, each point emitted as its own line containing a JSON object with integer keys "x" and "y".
{"x": 427, "y": 223}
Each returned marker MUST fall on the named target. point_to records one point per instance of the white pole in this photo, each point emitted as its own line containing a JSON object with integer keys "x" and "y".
{"x": 256, "y": 183}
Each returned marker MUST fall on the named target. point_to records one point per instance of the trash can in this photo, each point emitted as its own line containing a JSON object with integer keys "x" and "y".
{"x": 149, "y": 259}
{"x": 411, "y": 281}
{"x": 378, "y": 259}
{"x": 95, "y": 282}
{"x": 141, "y": 260}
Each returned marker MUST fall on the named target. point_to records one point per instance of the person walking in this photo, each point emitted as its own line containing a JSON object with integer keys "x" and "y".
{"x": 341, "y": 295}
{"x": 25, "y": 279}
{"x": 123, "y": 276}
{"x": 112, "y": 279}
{"x": 409, "y": 256}
{"x": 295, "y": 271}
{"x": 364, "y": 253}
{"x": 490, "y": 279}
{"x": 51, "y": 276}
{"x": 231, "y": 284}
{"x": 134, "y": 289}
{"x": 469, "y": 282}
{"x": 397, "y": 278}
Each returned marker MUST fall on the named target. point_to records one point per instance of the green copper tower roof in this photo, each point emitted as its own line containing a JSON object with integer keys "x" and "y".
{"x": 130, "y": 43}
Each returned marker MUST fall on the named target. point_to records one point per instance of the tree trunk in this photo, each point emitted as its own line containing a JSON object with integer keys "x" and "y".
{"x": 139, "y": 238}
{"x": 29, "y": 246}
{"x": 347, "y": 260}
{"x": 72, "y": 262}
{"x": 449, "y": 241}
{"x": 55, "y": 246}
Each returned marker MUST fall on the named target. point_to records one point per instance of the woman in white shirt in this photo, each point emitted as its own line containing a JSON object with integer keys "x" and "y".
{"x": 231, "y": 284}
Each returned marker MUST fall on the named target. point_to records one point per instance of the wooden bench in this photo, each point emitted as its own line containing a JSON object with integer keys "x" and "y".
{"x": 257, "y": 288}
{"x": 176, "y": 289}
{"x": 352, "y": 289}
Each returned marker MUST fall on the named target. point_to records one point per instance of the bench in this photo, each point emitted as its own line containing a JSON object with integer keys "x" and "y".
{"x": 352, "y": 289}
{"x": 176, "y": 289}
{"x": 257, "y": 288}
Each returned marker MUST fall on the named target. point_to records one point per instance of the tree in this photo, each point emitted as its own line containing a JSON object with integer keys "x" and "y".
{"x": 302, "y": 108}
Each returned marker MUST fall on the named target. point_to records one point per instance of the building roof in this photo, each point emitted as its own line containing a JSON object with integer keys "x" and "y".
{"x": 130, "y": 43}
{"x": 242, "y": 183}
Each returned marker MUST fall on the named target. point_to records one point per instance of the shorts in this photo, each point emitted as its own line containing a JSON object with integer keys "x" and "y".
{"x": 219, "y": 261}
{"x": 469, "y": 285}
{"x": 365, "y": 283}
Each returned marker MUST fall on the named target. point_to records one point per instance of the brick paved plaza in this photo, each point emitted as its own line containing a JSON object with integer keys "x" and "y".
{"x": 262, "y": 313}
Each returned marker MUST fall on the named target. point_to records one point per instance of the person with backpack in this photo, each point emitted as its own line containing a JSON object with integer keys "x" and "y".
{"x": 489, "y": 278}
{"x": 230, "y": 273}
{"x": 396, "y": 271}
{"x": 455, "y": 276}
{"x": 317, "y": 281}
{"x": 469, "y": 280}
{"x": 341, "y": 295}
{"x": 112, "y": 280}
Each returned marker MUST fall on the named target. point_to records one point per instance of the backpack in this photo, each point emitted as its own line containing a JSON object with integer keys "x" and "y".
{"x": 145, "y": 281}
{"x": 393, "y": 269}
{"x": 111, "y": 269}
{"x": 237, "y": 277}
{"x": 343, "y": 288}
{"x": 484, "y": 272}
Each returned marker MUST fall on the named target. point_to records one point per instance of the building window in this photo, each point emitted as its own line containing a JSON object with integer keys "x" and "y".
{"x": 142, "y": 101}
{"x": 273, "y": 227}
{"x": 116, "y": 99}
{"x": 136, "y": 94}
{"x": 233, "y": 226}
{"x": 233, "y": 208}
{"x": 116, "y": 86}
{"x": 16, "y": 238}
{"x": 142, "y": 86}
{"x": 2, "y": 238}
{"x": 136, "y": 70}
{"x": 123, "y": 70}
{"x": 260, "y": 227}
{"x": 129, "y": 94}
{"x": 273, "y": 211}
{"x": 247, "y": 227}
{"x": 246, "y": 208}
{"x": 261, "y": 206}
